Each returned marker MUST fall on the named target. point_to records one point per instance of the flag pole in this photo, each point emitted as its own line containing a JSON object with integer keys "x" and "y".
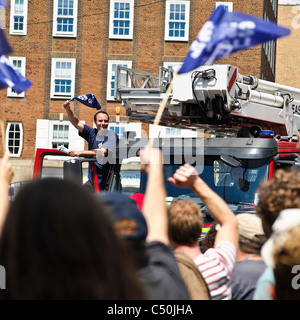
{"x": 162, "y": 108}
{"x": 3, "y": 137}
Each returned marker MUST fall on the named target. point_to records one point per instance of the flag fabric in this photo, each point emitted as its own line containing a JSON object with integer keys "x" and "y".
{"x": 11, "y": 77}
{"x": 5, "y": 47}
{"x": 227, "y": 32}
{"x": 3, "y": 3}
{"x": 88, "y": 100}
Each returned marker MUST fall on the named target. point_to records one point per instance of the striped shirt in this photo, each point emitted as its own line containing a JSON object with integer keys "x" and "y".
{"x": 216, "y": 265}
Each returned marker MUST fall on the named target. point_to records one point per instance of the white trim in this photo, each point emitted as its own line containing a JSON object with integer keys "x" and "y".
{"x": 59, "y": 140}
{"x": 229, "y": 5}
{"x": 186, "y": 20}
{"x": 70, "y": 77}
{"x": 13, "y": 14}
{"x": 111, "y": 73}
{"x": 124, "y": 19}
{"x": 10, "y": 92}
{"x": 288, "y": 2}
{"x": 20, "y": 139}
{"x": 73, "y": 16}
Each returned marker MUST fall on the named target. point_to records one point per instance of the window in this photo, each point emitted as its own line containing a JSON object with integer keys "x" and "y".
{"x": 270, "y": 49}
{"x": 121, "y": 19}
{"x": 228, "y": 5}
{"x": 111, "y": 76}
{"x": 120, "y": 128}
{"x": 63, "y": 78}
{"x": 53, "y": 133}
{"x": 177, "y": 20}
{"x": 60, "y": 135}
{"x": 14, "y": 138}
{"x": 65, "y": 18}
{"x": 20, "y": 64}
{"x": 173, "y": 65}
{"x": 274, "y": 4}
{"x": 18, "y": 17}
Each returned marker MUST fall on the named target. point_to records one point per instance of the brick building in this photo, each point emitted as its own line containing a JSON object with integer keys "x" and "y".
{"x": 288, "y": 58}
{"x": 71, "y": 47}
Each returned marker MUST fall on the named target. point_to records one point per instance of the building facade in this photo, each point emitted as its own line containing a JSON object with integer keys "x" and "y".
{"x": 287, "y": 66}
{"x": 72, "y": 47}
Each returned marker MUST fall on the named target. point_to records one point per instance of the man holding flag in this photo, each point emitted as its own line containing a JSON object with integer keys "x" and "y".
{"x": 100, "y": 140}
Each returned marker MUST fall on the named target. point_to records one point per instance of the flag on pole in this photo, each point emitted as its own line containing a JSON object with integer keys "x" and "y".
{"x": 11, "y": 77}
{"x": 227, "y": 32}
{"x": 5, "y": 47}
{"x": 88, "y": 100}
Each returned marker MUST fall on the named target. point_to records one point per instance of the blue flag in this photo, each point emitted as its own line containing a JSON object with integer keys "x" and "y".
{"x": 3, "y": 3}
{"x": 88, "y": 100}
{"x": 5, "y": 47}
{"x": 227, "y": 32}
{"x": 11, "y": 77}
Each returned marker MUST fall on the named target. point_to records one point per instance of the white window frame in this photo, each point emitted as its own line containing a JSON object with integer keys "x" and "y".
{"x": 44, "y": 134}
{"x": 112, "y": 19}
{"x": 229, "y": 5}
{"x": 18, "y": 154}
{"x": 55, "y": 95}
{"x": 186, "y": 20}
{"x": 62, "y": 140}
{"x": 10, "y": 92}
{"x": 128, "y": 126}
{"x": 73, "y": 33}
{"x": 112, "y": 73}
{"x": 13, "y": 7}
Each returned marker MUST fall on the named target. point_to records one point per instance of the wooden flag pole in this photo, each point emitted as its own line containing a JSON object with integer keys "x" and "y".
{"x": 3, "y": 137}
{"x": 162, "y": 108}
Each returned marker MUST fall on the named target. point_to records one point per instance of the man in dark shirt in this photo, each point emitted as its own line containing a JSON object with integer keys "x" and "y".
{"x": 100, "y": 140}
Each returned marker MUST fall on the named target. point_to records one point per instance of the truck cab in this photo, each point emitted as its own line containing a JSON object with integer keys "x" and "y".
{"x": 233, "y": 168}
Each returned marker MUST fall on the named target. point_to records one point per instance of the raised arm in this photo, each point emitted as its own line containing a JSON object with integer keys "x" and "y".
{"x": 6, "y": 174}
{"x": 72, "y": 117}
{"x": 187, "y": 177}
{"x": 154, "y": 207}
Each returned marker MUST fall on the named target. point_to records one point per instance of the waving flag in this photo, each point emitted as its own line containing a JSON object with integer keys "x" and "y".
{"x": 3, "y": 3}
{"x": 5, "y": 47}
{"x": 227, "y": 32}
{"x": 11, "y": 77}
{"x": 88, "y": 100}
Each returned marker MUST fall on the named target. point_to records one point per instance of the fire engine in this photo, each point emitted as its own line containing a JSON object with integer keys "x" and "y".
{"x": 246, "y": 129}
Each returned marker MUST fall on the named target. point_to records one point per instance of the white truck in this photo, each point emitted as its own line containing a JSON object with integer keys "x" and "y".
{"x": 248, "y": 126}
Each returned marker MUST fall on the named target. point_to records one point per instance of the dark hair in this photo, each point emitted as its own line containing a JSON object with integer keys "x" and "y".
{"x": 57, "y": 243}
{"x": 104, "y": 112}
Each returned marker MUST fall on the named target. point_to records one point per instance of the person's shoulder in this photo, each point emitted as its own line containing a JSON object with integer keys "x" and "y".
{"x": 88, "y": 128}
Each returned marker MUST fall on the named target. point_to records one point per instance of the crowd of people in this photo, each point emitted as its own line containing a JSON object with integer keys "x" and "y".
{"x": 59, "y": 240}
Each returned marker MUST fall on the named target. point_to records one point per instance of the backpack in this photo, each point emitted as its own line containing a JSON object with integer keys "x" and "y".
{"x": 193, "y": 278}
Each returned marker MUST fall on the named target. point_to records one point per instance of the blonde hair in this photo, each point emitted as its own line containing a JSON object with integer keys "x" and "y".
{"x": 185, "y": 222}
{"x": 287, "y": 255}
